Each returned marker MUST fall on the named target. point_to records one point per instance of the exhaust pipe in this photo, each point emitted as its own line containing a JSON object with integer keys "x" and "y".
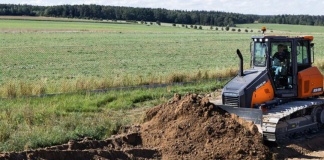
{"x": 241, "y": 62}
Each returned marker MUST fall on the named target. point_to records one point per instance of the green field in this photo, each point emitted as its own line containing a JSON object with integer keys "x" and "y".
{"x": 58, "y": 53}
{"x": 66, "y": 56}
{"x": 51, "y": 56}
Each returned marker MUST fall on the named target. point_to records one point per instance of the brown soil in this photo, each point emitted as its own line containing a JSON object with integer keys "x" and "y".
{"x": 192, "y": 128}
{"x": 186, "y": 127}
{"x": 311, "y": 147}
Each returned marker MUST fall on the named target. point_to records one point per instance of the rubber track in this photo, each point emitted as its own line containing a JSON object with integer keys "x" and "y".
{"x": 272, "y": 117}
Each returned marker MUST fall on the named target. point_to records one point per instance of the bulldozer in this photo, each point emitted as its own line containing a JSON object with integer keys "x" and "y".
{"x": 281, "y": 92}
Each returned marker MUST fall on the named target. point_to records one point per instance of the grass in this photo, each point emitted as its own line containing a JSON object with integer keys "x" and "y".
{"x": 12, "y": 89}
{"x": 27, "y": 123}
{"x": 73, "y": 56}
{"x": 68, "y": 56}
{"x": 52, "y": 25}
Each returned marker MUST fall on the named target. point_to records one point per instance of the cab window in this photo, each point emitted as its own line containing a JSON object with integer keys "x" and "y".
{"x": 259, "y": 57}
{"x": 281, "y": 53}
{"x": 281, "y": 70}
{"x": 302, "y": 53}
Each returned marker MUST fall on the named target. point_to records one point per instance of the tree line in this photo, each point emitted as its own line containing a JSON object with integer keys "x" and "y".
{"x": 293, "y": 19}
{"x": 100, "y": 12}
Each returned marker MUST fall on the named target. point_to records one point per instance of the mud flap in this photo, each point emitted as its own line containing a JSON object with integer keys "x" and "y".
{"x": 249, "y": 114}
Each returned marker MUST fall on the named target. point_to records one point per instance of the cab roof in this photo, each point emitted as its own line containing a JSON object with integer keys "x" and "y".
{"x": 277, "y": 37}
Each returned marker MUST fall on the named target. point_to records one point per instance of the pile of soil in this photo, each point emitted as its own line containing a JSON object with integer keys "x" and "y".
{"x": 186, "y": 127}
{"x": 192, "y": 128}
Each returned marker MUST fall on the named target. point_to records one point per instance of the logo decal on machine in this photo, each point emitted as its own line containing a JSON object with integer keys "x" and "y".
{"x": 264, "y": 82}
{"x": 317, "y": 90}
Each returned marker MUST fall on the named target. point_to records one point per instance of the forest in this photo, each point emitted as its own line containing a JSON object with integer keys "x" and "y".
{"x": 101, "y": 12}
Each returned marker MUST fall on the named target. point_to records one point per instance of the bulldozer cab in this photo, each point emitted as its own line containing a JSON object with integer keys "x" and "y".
{"x": 283, "y": 57}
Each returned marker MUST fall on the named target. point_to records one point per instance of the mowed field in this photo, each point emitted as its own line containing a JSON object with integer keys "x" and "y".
{"x": 66, "y": 56}
{"x": 40, "y": 56}
{"x": 55, "y": 54}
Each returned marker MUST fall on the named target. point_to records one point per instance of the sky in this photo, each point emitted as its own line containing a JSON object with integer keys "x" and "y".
{"x": 259, "y": 7}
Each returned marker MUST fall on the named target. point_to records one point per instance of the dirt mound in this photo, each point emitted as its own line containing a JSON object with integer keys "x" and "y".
{"x": 184, "y": 128}
{"x": 192, "y": 128}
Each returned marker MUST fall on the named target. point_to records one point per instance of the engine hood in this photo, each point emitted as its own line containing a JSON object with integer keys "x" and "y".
{"x": 236, "y": 86}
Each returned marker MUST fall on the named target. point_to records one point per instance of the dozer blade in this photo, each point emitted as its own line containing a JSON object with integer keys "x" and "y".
{"x": 249, "y": 114}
